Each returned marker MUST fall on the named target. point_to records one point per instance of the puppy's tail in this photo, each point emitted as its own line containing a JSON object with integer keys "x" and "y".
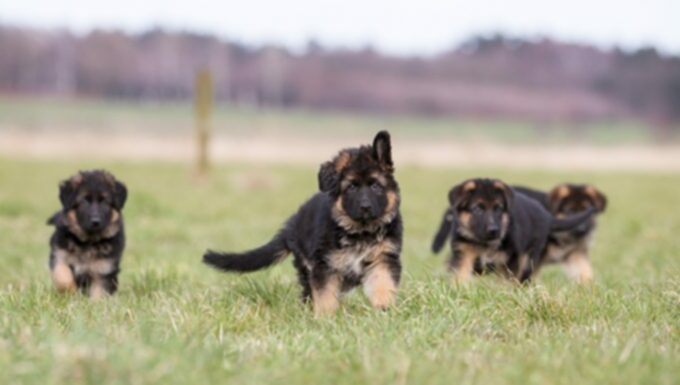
{"x": 445, "y": 229}
{"x": 572, "y": 221}
{"x": 256, "y": 259}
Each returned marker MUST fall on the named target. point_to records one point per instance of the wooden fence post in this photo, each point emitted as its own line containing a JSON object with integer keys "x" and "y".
{"x": 203, "y": 101}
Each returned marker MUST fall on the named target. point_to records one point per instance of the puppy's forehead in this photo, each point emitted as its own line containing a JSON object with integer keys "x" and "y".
{"x": 486, "y": 190}
{"x": 96, "y": 182}
{"x": 365, "y": 176}
{"x": 362, "y": 166}
{"x": 380, "y": 177}
{"x": 577, "y": 193}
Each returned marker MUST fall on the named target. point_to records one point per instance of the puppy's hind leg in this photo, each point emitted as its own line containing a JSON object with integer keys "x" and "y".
{"x": 578, "y": 267}
{"x": 527, "y": 270}
{"x": 303, "y": 278}
{"x": 528, "y": 265}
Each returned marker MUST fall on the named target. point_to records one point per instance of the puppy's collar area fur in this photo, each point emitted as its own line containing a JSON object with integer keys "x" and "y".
{"x": 496, "y": 244}
{"x": 110, "y": 232}
{"x": 355, "y": 228}
{"x": 364, "y": 237}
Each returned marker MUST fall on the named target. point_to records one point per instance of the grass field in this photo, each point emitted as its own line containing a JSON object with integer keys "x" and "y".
{"x": 176, "y": 321}
{"x": 124, "y": 117}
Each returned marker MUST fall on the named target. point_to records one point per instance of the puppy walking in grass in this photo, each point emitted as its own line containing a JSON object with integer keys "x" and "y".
{"x": 88, "y": 240}
{"x": 495, "y": 228}
{"x": 570, "y": 248}
{"x": 346, "y": 235}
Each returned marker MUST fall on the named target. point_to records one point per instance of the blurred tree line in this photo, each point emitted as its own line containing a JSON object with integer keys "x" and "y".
{"x": 495, "y": 76}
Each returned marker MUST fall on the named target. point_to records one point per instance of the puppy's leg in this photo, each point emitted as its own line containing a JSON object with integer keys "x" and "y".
{"x": 480, "y": 268}
{"x": 381, "y": 281}
{"x": 96, "y": 290}
{"x": 325, "y": 291}
{"x": 527, "y": 266}
{"x": 303, "y": 278}
{"x": 62, "y": 275}
{"x": 462, "y": 263}
{"x": 520, "y": 268}
{"x": 578, "y": 267}
{"x": 103, "y": 286}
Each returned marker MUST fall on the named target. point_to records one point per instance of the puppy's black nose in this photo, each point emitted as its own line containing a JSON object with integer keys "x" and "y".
{"x": 365, "y": 208}
{"x": 96, "y": 222}
{"x": 493, "y": 232}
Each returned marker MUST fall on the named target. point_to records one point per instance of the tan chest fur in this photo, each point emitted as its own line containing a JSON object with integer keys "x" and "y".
{"x": 493, "y": 257}
{"x": 486, "y": 255}
{"x": 358, "y": 258}
{"x": 85, "y": 261}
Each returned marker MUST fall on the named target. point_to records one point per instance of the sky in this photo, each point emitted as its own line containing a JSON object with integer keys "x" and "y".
{"x": 398, "y": 27}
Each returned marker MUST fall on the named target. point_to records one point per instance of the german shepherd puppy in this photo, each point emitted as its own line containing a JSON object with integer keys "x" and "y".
{"x": 570, "y": 248}
{"x": 348, "y": 234}
{"x": 88, "y": 241}
{"x": 494, "y": 228}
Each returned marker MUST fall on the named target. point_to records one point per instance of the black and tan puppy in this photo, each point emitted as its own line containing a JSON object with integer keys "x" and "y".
{"x": 88, "y": 240}
{"x": 346, "y": 235}
{"x": 570, "y": 248}
{"x": 494, "y": 228}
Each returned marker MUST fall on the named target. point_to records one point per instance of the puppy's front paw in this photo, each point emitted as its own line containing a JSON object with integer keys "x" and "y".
{"x": 62, "y": 277}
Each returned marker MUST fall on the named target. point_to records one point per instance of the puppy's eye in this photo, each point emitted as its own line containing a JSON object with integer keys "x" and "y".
{"x": 497, "y": 208}
{"x": 377, "y": 187}
{"x": 479, "y": 208}
{"x": 352, "y": 187}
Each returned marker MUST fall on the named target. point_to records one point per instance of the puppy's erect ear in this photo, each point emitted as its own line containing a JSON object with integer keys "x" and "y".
{"x": 119, "y": 195}
{"x": 557, "y": 195}
{"x": 598, "y": 198}
{"x": 508, "y": 193}
{"x": 68, "y": 189}
{"x": 382, "y": 150}
{"x": 460, "y": 194}
{"x": 329, "y": 173}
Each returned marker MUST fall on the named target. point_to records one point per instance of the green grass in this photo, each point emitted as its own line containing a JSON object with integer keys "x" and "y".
{"x": 49, "y": 114}
{"x": 176, "y": 321}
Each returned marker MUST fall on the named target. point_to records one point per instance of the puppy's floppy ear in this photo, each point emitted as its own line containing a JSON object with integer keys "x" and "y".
{"x": 328, "y": 178}
{"x": 68, "y": 189}
{"x": 119, "y": 195}
{"x": 460, "y": 194}
{"x": 508, "y": 194}
{"x": 329, "y": 173}
{"x": 598, "y": 198}
{"x": 382, "y": 150}
{"x": 557, "y": 195}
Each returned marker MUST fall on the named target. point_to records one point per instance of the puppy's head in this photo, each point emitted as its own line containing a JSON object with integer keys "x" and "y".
{"x": 568, "y": 199}
{"x": 92, "y": 202}
{"x": 361, "y": 182}
{"x": 482, "y": 208}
